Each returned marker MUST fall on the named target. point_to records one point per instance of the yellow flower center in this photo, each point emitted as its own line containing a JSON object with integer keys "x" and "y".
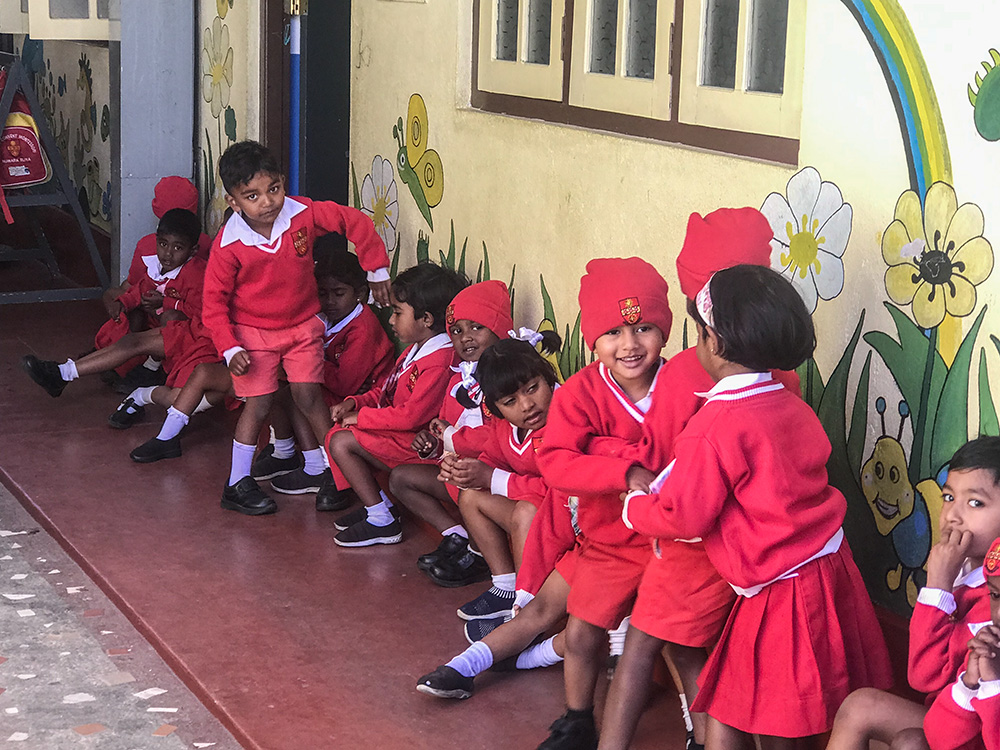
{"x": 379, "y": 211}
{"x": 803, "y": 247}
{"x": 217, "y": 71}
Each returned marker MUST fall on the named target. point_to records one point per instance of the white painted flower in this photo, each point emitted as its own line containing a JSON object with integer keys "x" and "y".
{"x": 378, "y": 200}
{"x": 811, "y": 228}
{"x": 217, "y": 67}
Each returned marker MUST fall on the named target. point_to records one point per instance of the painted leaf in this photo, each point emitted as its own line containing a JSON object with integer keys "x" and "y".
{"x": 479, "y": 272}
{"x": 356, "y": 196}
{"x": 394, "y": 268}
{"x": 461, "y": 258}
{"x": 811, "y": 383}
{"x": 510, "y": 287}
{"x": 988, "y": 423}
{"x": 832, "y": 405}
{"x": 231, "y": 124}
{"x": 423, "y": 248}
{"x": 486, "y": 264}
{"x": 859, "y": 419}
{"x": 547, "y": 310}
{"x": 451, "y": 249}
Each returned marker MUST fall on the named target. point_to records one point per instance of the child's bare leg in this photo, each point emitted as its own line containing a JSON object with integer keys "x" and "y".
{"x": 540, "y": 614}
{"x": 356, "y": 465}
{"x": 209, "y": 380}
{"x": 378, "y": 525}
{"x": 718, "y": 736}
{"x": 308, "y": 397}
{"x": 870, "y": 714}
{"x": 163, "y": 396}
{"x": 768, "y": 742}
{"x": 585, "y": 645}
{"x": 910, "y": 739}
{"x": 688, "y": 662}
{"x": 520, "y": 523}
{"x": 488, "y": 517}
{"x": 629, "y": 689}
{"x": 130, "y": 345}
{"x": 418, "y": 489}
{"x": 241, "y": 492}
{"x": 287, "y": 421}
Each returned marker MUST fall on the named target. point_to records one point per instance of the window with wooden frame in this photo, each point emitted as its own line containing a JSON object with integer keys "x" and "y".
{"x": 725, "y": 75}
{"x": 82, "y": 20}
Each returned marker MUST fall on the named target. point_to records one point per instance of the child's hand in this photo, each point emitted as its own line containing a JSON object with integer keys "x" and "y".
{"x": 946, "y": 558}
{"x": 342, "y": 409}
{"x": 240, "y": 363}
{"x": 467, "y": 473}
{"x": 380, "y": 291}
{"x": 638, "y": 478}
{"x": 115, "y": 309}
{"x": 438, "y": 426}
{"x": 348, "y": 419}
{"x": 151, "y": 301}
{"x": 971, "y": 677}
{"x": 424, "y": 443}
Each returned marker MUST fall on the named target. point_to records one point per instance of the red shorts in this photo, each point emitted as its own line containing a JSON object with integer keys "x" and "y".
{"x": 299, "y": 350}
{"x": 185, "y": 346}
{"x": 682, "y": 598}
{"x": 566, "y": 565}
{"x": 605, "y": 582}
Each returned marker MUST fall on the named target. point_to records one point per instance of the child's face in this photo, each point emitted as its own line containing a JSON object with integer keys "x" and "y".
{"x": 528, "y": 407}
{"x": 173, "y": 250}
{"x": 972, "y": 503}
{"x": 259, "y": 200}
{"x": 630, "y": 352}
{"x": 336, "y": 298}
{"x": 470, "y": 339}
{"x": 409, "y": 329}
{"x": 993, "y": 585}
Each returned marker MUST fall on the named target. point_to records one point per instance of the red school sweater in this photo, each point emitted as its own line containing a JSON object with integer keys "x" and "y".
{"x": 964, "y": 719}
{"x": 270, "y": 284}
{"x": 357, "y": 353}
{"x": 515, "y": 461}
{"x": 182, "y": 293}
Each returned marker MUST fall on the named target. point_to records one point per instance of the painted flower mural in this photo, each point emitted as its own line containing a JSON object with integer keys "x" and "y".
{"x": 811, "y": 225}
{"x": 379, "y": 200}
{"x": 217, "y": 67}
{"x": 936, "y": 256}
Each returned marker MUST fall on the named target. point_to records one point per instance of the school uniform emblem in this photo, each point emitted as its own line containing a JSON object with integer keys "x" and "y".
{"x": 449, "y": 314}
{"x": 173, "y": 293}
{"x": 411, "y": 382}
{"x": 300, "y": 241}
{"x": 991, "y": 563}
{"x": 14, "y": 147}
{"x": 630, "y": 309}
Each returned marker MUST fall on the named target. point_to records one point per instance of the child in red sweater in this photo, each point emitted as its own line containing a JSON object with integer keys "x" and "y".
{"x": 966, "y": 716}
{"x": 952, "y": 608}
{"x": 625, "y": 319}
{"x": 375, "y": 430}
{"x": 261, "y": 301}
{"x": 749, "y": 478}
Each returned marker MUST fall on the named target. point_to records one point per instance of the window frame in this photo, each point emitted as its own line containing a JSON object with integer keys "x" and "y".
{"x": 91, "y": 29}
{"x": 781, "y": 149}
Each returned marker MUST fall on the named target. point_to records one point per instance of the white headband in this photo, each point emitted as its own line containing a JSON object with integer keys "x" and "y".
{"x": 526, "y": 334}
{"x": 703, "y": 303}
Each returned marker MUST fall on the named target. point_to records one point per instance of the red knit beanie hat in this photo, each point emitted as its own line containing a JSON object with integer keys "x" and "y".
{"x": 991, "y": 563}
{"x": 722, "y": 239}
{"x": 486, "y": 303}
{"x": 174, "y": 192}
{"x": 622, "y": 291}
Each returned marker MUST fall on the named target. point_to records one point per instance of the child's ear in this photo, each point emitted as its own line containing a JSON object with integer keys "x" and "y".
{"x": 712, "y": 340}
{"x": 231, "y": 202}
{"x": 428, "y": 320}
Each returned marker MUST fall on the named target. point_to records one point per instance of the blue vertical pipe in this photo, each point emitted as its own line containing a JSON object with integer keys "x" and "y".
{"x": 295, "y": 33}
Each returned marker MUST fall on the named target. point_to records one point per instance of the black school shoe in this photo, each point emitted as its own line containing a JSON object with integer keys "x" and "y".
{"x": 247, "y": 498}
{"x": 357, "y": 515}
{"x": 266, "y": 466}
{"x": 126, "y": 415}
{"x": 155, "y": 449}
{"x": 299, "y": 483}
{"x": 451, "y": 545}
{"x": 366, "y": 534}
{"x": 45, "y": 373}
{"x": 329, "y": 498}
{"x": 460, "y": 570}
{"x": 446, "y": 682}
{"x": 140, "y": 376}
{"x": 572, "y": 731}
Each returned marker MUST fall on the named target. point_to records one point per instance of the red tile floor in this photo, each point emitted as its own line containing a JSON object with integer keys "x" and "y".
{"x": 291, "y": 641}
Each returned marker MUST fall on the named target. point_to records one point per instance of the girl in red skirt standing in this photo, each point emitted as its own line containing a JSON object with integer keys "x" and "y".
{"x": 749, "y": 478}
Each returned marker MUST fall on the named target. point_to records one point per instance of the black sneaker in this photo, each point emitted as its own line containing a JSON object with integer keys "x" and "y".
{"x": 460, "y": 570}
{"x": 572, "y": 733}
{"x": 155, "y": 449}
{"x": 248, "y": 498}
{"x": 358, "y": 515}
{"x": 329, "y": 498}
{"x": 140, "y": 376}
{"x": 266, "y": 466}
{"x": 299, "y": 483}
{"x": 476, "y": 630}
{"x": 690, "y": 744}
{"x": 451, "y": 545}
{"x": 126, "y": 415}
{"x": 491, "y": 603}
{"x": 366, "y": 534}
{"x": 45, "y": 373}
{"x": 446, "y": 682}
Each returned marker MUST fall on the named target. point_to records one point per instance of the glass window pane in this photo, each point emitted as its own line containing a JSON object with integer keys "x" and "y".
{"x": 766, "y": 63}
{"x": 69, "y": 9}
{"x": 539, "y": 31}
{"x": 641, "y": 39}
{"x": 507, "y": 30}
{"x": 604, "y": 36}
{"x": 718, "y": 65}
{"x": 102, "y": 8}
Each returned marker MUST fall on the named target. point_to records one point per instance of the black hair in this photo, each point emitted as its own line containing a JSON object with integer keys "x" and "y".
{"x": 506, "y": 366}
{"x": 334, "y": 260}
{"x": 429, "y": 288}
{"x": 761, "y": 321}
{"x": 981, "y": 453}
{"x": 181, "y": 222}
{"x": 241, "y": 161}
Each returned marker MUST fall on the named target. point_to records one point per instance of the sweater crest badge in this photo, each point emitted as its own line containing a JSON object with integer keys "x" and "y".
{"x": 630, "y": 309}
{"x": 991, "y": 563}
{"x": 172, "y": 292}
{"x": 300, "y": 241}
{"x": 411, "y": 381}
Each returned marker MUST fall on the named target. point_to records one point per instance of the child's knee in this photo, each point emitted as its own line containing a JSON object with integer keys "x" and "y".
{"x": 399, "y": 480}
{"x": 340, "y": 443}
{"x": 909, "y": 739}
{"x": 858, "y": 711}
{"x": 522, "y": 516}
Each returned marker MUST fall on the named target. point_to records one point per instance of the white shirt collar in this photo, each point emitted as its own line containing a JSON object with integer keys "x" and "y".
{"x": 970, "y": 576}
{"x": 434, "y": 343}
{"x": 341, "y": 324}
{"x": 639, "y": 408}
{"x": 155, "y": 271}
{"x": 237, "y": 229}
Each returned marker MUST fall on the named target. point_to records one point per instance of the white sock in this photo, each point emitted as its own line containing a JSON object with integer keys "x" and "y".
{"x": 151, "y": 364}
{"x": 379, "y": 515}
{"x": 385, "y": 498}
{"x": 142, "y": 396}
{"x": 173, "y": 424}
{"x": 242, "y": 460}
{"x": 314, "y": 461}
{"x": 456, "y": 529}
{"x": 475, "y": 660}
{"x": 687, "y": 714}
{"x": 203, "y": 405}
{"x": 616, "y": 638}
{"x": 67, "y": 370}
{"x": 505, "y": 582}
{"x": 284, "y": 447}
{"x": 541, "y": 655}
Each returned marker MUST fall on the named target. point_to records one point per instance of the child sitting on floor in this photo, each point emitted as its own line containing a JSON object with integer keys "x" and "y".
{"x": 261, "y": 302}
{"x": 171, "y": 292}
{"x": 950, "y": 609}
{"x": 374, "y": 430}
{"x": 749, "y": 477}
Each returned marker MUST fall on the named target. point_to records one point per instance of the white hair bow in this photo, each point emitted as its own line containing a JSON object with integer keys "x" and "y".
{"x": 526, "y": 334}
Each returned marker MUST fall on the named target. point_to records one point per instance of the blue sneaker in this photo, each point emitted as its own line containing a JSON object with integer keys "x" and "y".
{"x": 491, "y": 603}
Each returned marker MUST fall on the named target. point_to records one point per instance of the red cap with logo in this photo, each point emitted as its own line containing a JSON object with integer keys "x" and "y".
{"x": 722, "y": 239}
{"x": 486, "y": 303}
{"x": 991, "y": 563}
{"x": 622, "y": 291}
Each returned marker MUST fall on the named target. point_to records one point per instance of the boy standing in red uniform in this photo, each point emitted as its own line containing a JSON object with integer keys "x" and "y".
{"x": 261, "y": 301}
